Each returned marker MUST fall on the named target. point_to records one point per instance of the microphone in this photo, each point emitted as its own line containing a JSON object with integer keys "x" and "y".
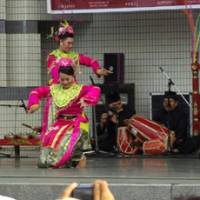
{"x": 170, "y": 81}
{"x": 161, "y": 69}
{"x": 111, "y": 68}
{"x": 111, "y": 112}
{"x": 92, "y": 80}
{"x": 23, "y": 105}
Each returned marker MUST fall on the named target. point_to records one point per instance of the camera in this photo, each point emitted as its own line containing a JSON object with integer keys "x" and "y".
{"x": 83, "y": 192}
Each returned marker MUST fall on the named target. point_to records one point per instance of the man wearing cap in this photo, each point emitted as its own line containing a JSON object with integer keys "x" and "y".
{"x": 173, "y": 117}
{"x": 116, "y": 116}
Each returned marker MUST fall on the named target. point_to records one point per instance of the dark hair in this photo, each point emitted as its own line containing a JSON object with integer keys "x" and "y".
{"x": 66, "y": 70}
{"x": 171, "y": 94}
{"x": 65, "y": 36}
{"x": 112, "y": 96}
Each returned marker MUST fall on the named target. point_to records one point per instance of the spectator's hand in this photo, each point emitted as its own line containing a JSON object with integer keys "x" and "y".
{"x": 34, "y": 108}
{"x": 102, "y": 191}
{"x": 68, "y": 192}
{"x": 103, "y": 72}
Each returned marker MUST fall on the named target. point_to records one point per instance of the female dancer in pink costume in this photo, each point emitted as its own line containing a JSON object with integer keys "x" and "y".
{"x": 63, "y": 142}
{"x": 65, "y": 37}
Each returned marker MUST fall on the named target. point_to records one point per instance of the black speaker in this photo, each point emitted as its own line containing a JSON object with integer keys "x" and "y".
{"x": 115, "y": 63}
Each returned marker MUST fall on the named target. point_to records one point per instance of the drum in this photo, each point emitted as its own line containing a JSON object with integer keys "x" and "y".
{"x": 146, "y": 130}
{"x": 126, "y": 141}
{"x": 154, "y": 147}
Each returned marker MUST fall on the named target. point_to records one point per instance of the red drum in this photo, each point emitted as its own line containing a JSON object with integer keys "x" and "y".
{"x": 154, "y": 147}
{"x": 146, "y": 130}
{"x": 125, "y": 142}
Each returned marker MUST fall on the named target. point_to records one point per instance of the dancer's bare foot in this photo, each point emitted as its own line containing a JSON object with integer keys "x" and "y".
{"x": 82, "y": 163}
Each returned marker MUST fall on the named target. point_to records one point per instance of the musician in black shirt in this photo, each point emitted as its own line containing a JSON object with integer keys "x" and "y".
{"x": 116, "y": 116}
{"x": 174, "y": 117}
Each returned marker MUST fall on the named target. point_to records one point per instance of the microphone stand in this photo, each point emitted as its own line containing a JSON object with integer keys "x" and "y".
{"x": 94, "y": 121}
{"x": 97, "y": 152}
{"x": 15, "y": 105}
{"x": 170, "y": 84}
{"x": 169, "y": 147}
{"x": 10, "y": 105}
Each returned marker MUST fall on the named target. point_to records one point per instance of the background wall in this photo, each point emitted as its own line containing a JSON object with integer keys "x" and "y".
{"x": 148, "y": 40}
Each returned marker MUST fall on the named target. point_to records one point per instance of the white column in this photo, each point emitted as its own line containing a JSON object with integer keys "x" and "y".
{"x": 3, "y": 9}
{"x": 23, "y": 60}
{"x": 2, "y": 59}
{"x": 2, "y": 43}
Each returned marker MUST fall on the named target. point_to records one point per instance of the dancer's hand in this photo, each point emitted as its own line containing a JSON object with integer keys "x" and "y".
{"x": 34, "y": 108}
{"x": 37, "y": 129}
{"x": 68, "y": 192}
{"x": 83, "y": 103}
{"x": 102, "y": 191}
{"x": 103, "y": 72}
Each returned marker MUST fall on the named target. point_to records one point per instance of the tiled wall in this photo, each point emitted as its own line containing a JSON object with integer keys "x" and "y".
{"x": 23, "y": 60}
{"x": 20, "y": 60}
{"x": 13, "y": 117}
{"x": 23, "y": 69}
{"x": 3, "y": 9}
{"x": 148, "y": 40}
{"x": 34, "y": 10}
{"x": 22, "y": 9}
{"x": 3, "y": 75}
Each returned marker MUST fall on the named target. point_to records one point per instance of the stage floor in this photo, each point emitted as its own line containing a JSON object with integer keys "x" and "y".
{"x": 162, "y": 170}
{"x": 135, "y": 178}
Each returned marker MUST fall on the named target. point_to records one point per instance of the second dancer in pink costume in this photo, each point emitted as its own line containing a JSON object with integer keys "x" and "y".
{"x": 65, "y": 37}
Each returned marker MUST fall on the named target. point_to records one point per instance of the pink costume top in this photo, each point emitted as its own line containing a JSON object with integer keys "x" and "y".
{"x": 66, "y": 101}
{"x": 76, "y": 57}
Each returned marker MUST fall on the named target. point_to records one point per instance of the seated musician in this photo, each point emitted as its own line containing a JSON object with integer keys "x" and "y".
{"x": 174, "y": 117}
{"x": 148, "y": 136}
{"x": 116, "y": 116}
